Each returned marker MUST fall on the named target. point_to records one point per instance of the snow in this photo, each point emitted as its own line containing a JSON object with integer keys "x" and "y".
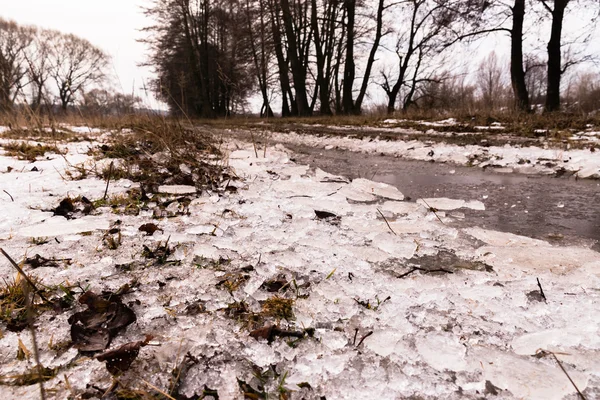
{"x": 435, "y": 335}
{"x": 177, "y": 189}
{"x": 508, "y": 158}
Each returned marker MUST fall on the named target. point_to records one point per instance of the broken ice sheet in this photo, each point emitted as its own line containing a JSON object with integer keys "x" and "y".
{"x": 58, "y": 226}
{"x": 443, "y": 203}
{"x": 378, "y": 189}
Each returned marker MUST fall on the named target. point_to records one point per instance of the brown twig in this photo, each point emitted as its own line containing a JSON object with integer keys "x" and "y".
{"x": 9, "y": 195}
{"x": 364, "y": 337}
{"x": 568, "y": 376}
{"x": 35, "y": 289}
{"x": 541, "y": 290}
{"x": 427, "y": 271}
{"x": 108, "y": 180}
{"x": 36, "y": 352}
{"x": 254, "y": 144}
{"x": 433, "y": 211}
{"x": 386, "y": 222}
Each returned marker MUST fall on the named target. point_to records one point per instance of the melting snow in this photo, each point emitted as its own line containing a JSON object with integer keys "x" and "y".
{"x": 440, "y": 329}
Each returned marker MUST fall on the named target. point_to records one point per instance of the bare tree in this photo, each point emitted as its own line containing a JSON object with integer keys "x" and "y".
{"x": 536, "y": 79}
{"x": 105, "y": 102}
{"x": 14, "y": 40}
{"x": 419, "y": 40}
{"x": 555, "y": 68}
{"x": 490, "y": 81}
{"x": 76, "y": 65}
{"x": 38, "y": 57}
{"x": 349, "y": 105}
{"x": 261, "y": 48}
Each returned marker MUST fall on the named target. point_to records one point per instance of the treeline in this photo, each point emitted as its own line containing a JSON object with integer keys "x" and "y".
{"x": 326, "y": 56}
{"x": 49, "y": 71}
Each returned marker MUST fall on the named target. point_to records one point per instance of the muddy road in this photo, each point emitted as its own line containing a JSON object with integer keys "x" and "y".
{"x": 559, "y": 210}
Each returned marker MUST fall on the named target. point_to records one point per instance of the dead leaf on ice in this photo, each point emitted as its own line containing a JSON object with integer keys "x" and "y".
{"x": 94, "y": 328}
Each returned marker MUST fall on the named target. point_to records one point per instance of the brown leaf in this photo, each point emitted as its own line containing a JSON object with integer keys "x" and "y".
{"x": 94, "y": 328}
{"x": 119, "y": 360}
{"x": 149, "y": 228}
{"x": 65, "y": 207}
{"x": 265, "y": 332}
{"x": 324, "y": 214}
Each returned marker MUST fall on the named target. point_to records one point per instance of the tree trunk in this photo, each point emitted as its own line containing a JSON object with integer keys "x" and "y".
{"x": 365, "y": 82}
{"x": 282, "y": 65}
{"x": 293, "y": 55}
{"x": 322, "y": 83}
{"x": 349, "y": 67}
{"x": 517, "y": 74}
{"x": 554, "y": 57}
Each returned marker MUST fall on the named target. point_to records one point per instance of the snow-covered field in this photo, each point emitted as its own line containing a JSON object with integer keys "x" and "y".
{"x": 391, "y": 300}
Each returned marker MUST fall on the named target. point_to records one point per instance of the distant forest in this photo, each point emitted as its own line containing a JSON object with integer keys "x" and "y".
{"x": 214, "y": 58}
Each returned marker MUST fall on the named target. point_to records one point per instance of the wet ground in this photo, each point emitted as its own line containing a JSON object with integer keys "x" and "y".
{"x": 559, "y": 210}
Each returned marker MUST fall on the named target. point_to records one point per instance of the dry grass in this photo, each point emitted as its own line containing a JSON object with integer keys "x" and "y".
{"x": 27, "y": 151}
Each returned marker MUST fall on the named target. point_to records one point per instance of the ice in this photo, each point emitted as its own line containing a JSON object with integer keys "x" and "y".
{"x": 434, "y": 335}
{"x": 496, "y": 238}
{"x": 442, "y": 352}
{"x": 526, "y": 378}
{"x": 176, "y": 189}
{"x": 376, "y": 188}
{"x": 559, "y": 340}
{"x": 395, "y": 246}
{"x": 443, "y": 203}
{"x": 505, "y": 158}
{"x": 202, "y": 230}
{"x": 58, "y": 226}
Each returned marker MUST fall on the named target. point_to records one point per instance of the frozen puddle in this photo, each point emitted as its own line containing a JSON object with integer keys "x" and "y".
{"x": 399, "y": 304}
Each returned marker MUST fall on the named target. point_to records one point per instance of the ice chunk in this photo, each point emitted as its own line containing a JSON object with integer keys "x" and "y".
{"x": 177, "y": 189}
{"x": 553, "y": 339}
{"x": 443, "y": 203}
{"x": 589, "y": 172}
{"x": 495, "y": 238}
{"x": 376, "y": 188}
{"x": 442, "y": 352}
{"x": 57, "y": 226}
{"x": 394, "y": 245}
{"x": 527, "y": 378}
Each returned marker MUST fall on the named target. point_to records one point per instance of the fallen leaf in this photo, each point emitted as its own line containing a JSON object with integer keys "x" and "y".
{"x": 119, "y": 360}
{"x": 94, "y": 328}
{"x": 149, "y": 228}
{"x": 324, "y": 214}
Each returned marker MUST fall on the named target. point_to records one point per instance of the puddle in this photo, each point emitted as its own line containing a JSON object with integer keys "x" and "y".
{"x": 559, "y": 210}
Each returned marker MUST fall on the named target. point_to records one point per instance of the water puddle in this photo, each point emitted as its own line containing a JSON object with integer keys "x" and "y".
{"x": 559, "y": 210}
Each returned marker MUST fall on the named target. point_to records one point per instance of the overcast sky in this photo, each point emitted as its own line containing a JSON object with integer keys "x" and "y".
{"x": 112, "y": 25}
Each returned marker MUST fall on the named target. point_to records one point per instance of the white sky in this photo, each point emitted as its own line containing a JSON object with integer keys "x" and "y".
{"x": 112, "y": 25}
